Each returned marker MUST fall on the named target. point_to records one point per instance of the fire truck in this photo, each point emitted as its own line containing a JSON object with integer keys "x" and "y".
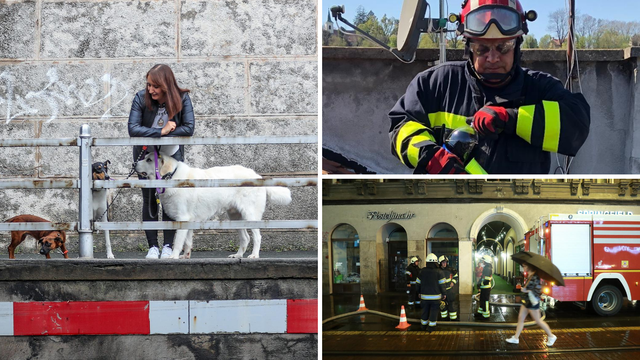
{"x": 598, "y": 256}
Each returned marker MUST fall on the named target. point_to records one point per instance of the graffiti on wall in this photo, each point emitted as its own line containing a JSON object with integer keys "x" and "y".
{"x": 56, "y": 94}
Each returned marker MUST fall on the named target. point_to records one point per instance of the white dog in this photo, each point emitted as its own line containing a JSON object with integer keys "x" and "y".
{"x": 201, "y": 204}
{"x": 100, "y": 198}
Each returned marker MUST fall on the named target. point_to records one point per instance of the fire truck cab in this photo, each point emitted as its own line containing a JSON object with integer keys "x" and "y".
{"x": 598, "y": 256}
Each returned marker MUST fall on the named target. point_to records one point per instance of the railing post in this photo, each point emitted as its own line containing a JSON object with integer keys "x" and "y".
{"x": 85, "y": 208}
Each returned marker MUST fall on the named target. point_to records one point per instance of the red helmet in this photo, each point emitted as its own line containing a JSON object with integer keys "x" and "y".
{"x": 493, "y": 19}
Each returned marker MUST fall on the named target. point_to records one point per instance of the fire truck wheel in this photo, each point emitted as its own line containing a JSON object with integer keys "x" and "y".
{"x": 607, "y": 300}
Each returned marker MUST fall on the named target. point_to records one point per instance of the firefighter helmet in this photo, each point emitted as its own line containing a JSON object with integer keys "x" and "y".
{"x": 493, "y": 19}
{"x": 487, "y": 259}
{"x": 443, "y": 258}
{"x": 414, "y": 259}
{"x": 432, "y": 258}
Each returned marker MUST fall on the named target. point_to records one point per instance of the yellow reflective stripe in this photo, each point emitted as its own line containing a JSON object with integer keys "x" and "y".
{"x": 487, "y": 277}
{"x": 413, "y": 152}
{"x": 441, "y": 281}
{"x": 473, "y": 167}
{"x": 452, "y": 121}
{"x": 524, "y": 125}
{"x": 406, "y": 130}
{"x": 418, "y": 281}
{"x": 551, "y": 126}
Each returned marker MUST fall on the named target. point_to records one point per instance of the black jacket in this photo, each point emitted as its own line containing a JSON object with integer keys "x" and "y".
{"x": 451, "y": 278}
{"x": 550, "y": 118}
{"x": 412, "y": 273}
{"x": 431, "y": 283}
{"x": 141, "y": 120}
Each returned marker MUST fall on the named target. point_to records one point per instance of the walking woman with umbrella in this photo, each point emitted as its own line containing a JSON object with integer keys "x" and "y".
{"x": 537, "y": 267}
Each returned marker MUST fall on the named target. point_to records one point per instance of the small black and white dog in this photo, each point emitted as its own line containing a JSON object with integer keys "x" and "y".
{"x": 100, "y": 197}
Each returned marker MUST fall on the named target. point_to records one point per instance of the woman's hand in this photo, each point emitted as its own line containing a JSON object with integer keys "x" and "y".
{"x": 169, "y": 127}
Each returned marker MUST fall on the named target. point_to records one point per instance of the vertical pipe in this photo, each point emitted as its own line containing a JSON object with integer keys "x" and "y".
{"x": 84, "y": 210}
{"x": 443, "y": 45}
{"x": 570, "y": 44}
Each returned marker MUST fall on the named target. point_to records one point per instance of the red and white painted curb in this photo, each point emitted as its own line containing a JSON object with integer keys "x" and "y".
{"x": 158, "y": 317}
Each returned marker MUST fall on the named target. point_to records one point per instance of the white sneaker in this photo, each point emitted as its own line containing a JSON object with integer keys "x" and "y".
{"x": 513, "y": 340}
{"x": 551, "y": 340}
{"x": 153, "y": 253}
{"x": 166, "y": 252}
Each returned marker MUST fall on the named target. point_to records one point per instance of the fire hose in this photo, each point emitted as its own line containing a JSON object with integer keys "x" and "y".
{"x": 444, "y": 323}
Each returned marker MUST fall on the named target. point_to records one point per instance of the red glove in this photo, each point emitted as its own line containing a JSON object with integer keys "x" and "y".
{"x": 437, "y": 160}
{"x": 492, "y": 120}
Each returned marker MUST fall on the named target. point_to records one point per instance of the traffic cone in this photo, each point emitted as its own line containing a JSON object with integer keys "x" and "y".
{"x": 403, "y": 320}
{"x": 362, "y": 307}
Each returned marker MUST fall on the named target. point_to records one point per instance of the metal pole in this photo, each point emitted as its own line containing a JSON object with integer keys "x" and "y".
{"x": 85, "y": 211}
{"x": 443, "y": 45}
{"x": 570, "y": 44}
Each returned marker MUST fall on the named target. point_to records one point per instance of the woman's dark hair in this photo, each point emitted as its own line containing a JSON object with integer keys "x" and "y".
{"x": 162, "y": 76}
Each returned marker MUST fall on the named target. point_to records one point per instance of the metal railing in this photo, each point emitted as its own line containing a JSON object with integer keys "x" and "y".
{"x": 85, "y": 227}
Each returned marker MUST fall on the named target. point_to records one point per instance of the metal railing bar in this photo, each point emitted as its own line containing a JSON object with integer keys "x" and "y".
{"x": 198, "y": 183}
{"x": 38, "y": 142}
{"x": 38, "y": 226}
{"x": 207, "y": 225}
{"x": 39, "y": 184}
{"x": 187, "y": 140}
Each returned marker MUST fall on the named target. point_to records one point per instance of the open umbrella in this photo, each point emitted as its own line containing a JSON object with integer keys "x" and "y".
{"x": 544, "y": 267}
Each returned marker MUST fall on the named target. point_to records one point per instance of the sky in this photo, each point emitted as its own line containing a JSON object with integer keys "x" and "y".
{"x": 623, "y": 10}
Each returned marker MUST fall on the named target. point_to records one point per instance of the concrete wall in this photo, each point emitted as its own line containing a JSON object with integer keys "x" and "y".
{"x": 133, "y": 280}
{"x": 251, "y": 67}
{"x": 360, "y": 86}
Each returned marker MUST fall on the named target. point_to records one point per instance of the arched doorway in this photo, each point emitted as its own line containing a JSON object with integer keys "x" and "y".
{"x": 493, "y": 233}
{"x": 394, "y": 263}
{"x": 442, "y": 239}
{"x": 345, "y": 260}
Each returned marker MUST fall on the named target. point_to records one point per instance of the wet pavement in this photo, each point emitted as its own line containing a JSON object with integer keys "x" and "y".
{"x": 581, "y": 333}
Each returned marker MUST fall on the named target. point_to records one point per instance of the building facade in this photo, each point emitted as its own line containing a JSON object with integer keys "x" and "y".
{"x": 371, "y": 227}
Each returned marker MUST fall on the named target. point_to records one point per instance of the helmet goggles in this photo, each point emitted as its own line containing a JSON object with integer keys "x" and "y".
{"x": 507, "y": 20}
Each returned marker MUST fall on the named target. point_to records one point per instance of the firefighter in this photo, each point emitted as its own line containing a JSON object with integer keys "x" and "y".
{"x": 430, "y": 286}
{"x": 484, "y": 284}
{"x": 412, "y": 272}
{"x": 520, "y": 115}
{"x": 451, "y": 282}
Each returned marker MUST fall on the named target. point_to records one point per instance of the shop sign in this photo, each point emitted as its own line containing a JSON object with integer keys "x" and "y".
{"x": 389, "y": 216}
{"x": 599, "y": 212}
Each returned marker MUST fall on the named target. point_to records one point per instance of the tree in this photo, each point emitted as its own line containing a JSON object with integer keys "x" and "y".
{"x": 529, "y": 42}
{"x": 428, "y": 41}
{"x": 454, "y": 41}
{"x": 389, "y": 25}
{"x": 558, "y": 25}
{"x": 361, "y": 16}
{"x": 373, "y": 27}
{"x": 545, "y": 42}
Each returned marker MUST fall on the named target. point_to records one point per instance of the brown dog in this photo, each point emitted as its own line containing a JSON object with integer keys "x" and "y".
{"x": 48, "y": 239}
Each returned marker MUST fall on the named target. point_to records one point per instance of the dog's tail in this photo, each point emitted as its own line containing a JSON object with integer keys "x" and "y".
{"x": 279, "y": 195}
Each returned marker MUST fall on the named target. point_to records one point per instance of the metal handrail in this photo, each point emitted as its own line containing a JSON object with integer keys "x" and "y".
{"x": 197, "y": 183}
{"x": 85, "y": 225}
{"x": 188, "y": 140}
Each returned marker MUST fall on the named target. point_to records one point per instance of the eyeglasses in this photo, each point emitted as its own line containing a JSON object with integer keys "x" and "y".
{"x": 482, "y": 49}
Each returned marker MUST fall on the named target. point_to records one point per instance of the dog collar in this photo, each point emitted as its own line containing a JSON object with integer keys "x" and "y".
{"x": 170, "y": 175}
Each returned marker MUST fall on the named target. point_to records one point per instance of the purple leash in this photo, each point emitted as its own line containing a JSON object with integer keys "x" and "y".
{"x": 158, "y": 177}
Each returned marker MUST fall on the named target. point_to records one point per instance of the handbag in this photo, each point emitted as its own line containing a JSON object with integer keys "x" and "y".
{"x": 530, "y": 300}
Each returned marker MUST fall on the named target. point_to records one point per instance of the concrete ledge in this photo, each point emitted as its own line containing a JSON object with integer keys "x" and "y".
{"x": 133, "y": 269}
{"x": 218, "y": 346}
{"x": 329, "y": 52}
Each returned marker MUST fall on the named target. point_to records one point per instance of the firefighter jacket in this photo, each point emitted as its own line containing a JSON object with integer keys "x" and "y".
{"x": 431, "y": 284}
{"x": 451, "y": 278}
{"x": 412, "y": 273}
{"x": 485, "y": 280}
{"x": 441, "y": 99}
